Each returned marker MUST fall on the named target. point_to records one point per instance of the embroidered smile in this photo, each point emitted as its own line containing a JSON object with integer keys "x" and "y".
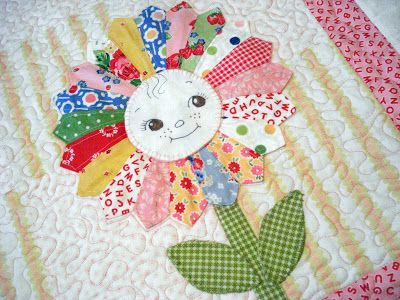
{"x": 181, "y": 137}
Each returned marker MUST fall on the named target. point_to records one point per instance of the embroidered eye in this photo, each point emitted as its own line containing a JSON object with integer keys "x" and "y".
{"x": 153, "y": 124}
{"x": 197, "y": 101}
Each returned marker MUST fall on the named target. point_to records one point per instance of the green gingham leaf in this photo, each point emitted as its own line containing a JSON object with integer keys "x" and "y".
{"x": 213, "y": 267}
{"x": 282, "y": 236}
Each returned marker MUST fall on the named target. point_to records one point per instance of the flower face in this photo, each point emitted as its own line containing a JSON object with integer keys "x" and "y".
{"x": 172, "y": 115}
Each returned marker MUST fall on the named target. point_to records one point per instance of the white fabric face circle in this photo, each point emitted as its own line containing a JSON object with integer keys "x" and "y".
{"x": 172, "y": 115}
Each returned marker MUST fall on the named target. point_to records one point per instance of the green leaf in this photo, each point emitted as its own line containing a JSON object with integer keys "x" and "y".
{"x": 213, "y": 267}
{"x": 136, "y": 82}
{"x": 168, "y": 36}
{"x": 282, "y": 236}
{"x": 102, "y": 59}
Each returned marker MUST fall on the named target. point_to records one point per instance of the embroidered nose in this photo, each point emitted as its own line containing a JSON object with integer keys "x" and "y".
{"x": 179, "y": 123}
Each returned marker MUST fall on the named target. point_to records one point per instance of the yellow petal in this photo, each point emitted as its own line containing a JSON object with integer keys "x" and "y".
{"x": 125, "y": 34}
{"x": 98, "y": 174}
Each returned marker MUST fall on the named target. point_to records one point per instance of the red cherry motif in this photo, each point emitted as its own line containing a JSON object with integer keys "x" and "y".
{"x": 192, "y": 23}
{"x": 73, "y": 89}
{"x": 173, "y": 61}
{"x": 212, "y": 19}
{"x": 108, "y": 87}
{"x": 220, "y": 19}
{"x": 186, "y": 52}
{"x": 199, "y": 50}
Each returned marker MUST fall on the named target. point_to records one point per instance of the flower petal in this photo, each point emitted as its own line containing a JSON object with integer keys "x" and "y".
{"x": 82, "y": 151}
{"x": 252, "y": 53}
{"x": 187, "y": 198}
{"x": 81, "y": 98}
{"x": 96, "y": 175}
{"x": 218, "y": 185}
{"x": 97, "y": 78}
{"x": 265, "y": 79}
{"x": 152, "y": 24}
{"x": 121, "y": 194}
{"x": 106, "y": 55}
{"x": 206, "y": 27}
{"x": 271, "y": 108}
{"x": 233, "y": 34}
{"x": 72, "y": 126}
{"x": 245, "y": 165}
{"x": 263, "y": 138}
{"x": 152, "y": 206}
{"x": 179, "y": 18}
{"x": 125, "y": 34}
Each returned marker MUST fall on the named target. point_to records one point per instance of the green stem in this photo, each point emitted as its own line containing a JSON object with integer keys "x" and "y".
{"x": 270, "y": 291}
{"x": 242, "y": 238}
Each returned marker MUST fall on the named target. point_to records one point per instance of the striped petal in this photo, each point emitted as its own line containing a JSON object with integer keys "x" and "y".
{"x": 75, "y": 125}
{"x": 187, "y": 198}
{"x": 245, "y": 165}
{"x": 82, "y": 98}
{"x": 233, "y": 34}
{"x": 257, "y": 135}
{"x": 179, "y": 25}
{"x": 95, "y": 77}
{"x": 217, "y": 183}
{"x": 152, "y": 206}
{"x": 272, "y": 108}
{"x": 119, "y": 197}
{"x": 265, "y": 79}
{"x": 126, "y": 36}
{"x": 94, "y": 178}
{"x": 152, "y": 26}
{"x": 252, "y": 53}
{"x": 206, "y": 27}
{"x": 106, "y": 55}
{"x": 82, "y": 151}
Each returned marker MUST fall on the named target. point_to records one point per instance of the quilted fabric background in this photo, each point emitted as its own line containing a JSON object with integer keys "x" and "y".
{"x": 341, "y": 151}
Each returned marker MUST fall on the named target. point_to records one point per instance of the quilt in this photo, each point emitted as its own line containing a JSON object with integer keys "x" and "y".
{"x": 331, "y": 149}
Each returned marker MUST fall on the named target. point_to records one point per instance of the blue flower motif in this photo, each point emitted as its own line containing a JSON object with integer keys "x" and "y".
{"x": 106, "y": 78}
{"x": 193, "y": 34}
{"x": 201, "y": 41}
{"x": 100, "y": 71}
{"x": 167, "y": 25}
{"x": 199, "y": 176}
{"x": 218, "y": 29}
{"x": 82, "y": 83}
{"x": 116, "y": 81}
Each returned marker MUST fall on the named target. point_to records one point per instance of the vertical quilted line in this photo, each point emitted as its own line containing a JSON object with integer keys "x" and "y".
{"x": 264, "y": 79}
{"x": 82, "y": 151}
{"x": 205, "y": 28}
{"x": 179, "y": 25}
{"x": 152, "y": 25}
{"x": 125, "y": 34}
{"x": 187, "y": 201}
{"x": 351, "y": 178}
{"x": 365, "y": 48}
{"x": 252, "y": 53}
{"x": 94, "y": 178}
{"x": 152, "y": 206}
{"x": 27, "y": 243}
{"x": 119, "y": 197}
